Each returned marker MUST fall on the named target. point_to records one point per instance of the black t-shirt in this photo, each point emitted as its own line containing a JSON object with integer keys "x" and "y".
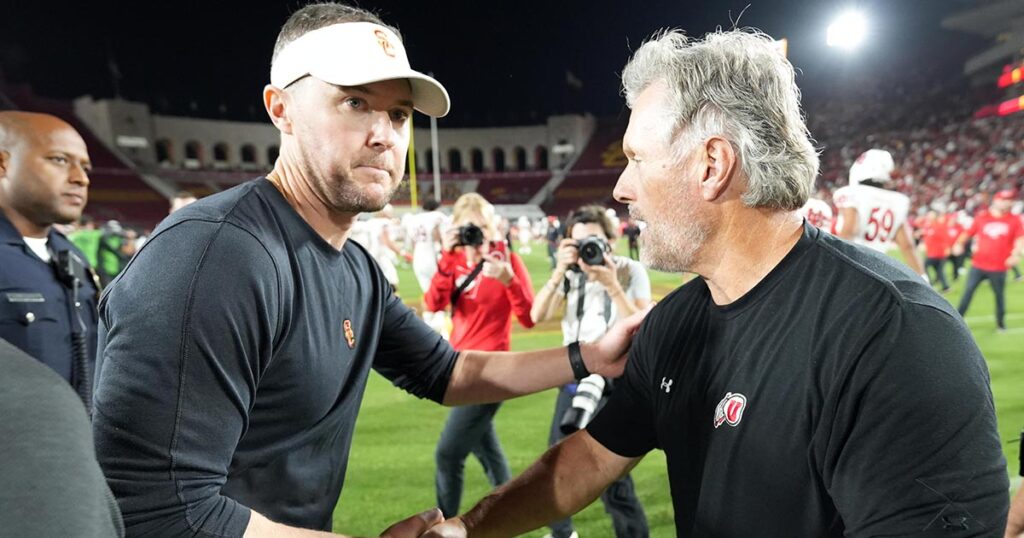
{"x": 235, "y": 350}
{"x": 50, "y": 483}
{"x": 840, "y": 395}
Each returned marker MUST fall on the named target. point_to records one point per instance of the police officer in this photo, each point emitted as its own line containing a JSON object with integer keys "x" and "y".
{"x": 47, "y": 291}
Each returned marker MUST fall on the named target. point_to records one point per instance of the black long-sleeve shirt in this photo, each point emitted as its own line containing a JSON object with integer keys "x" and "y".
{"x": 235, "y": 349}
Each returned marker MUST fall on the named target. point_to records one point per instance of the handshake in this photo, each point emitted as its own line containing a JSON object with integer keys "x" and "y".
{"x": 429, "y": 524}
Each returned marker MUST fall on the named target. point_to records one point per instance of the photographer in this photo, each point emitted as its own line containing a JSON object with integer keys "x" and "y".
{"x": 485, "y": 283}
{"x": 591, "y": 298}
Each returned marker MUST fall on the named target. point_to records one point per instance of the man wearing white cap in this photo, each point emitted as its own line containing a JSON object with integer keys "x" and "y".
{"x": 871, "y": 214}
{"x": 236, "y": 345}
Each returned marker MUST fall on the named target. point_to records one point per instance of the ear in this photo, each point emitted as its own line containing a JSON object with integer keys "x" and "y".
{"x": 718, "y": 160}
{"x": 5, "y": 162}
{"x": 276, "y": 102}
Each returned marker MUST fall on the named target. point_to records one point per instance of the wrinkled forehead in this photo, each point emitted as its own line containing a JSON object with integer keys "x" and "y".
{"x": 651, "y": 121}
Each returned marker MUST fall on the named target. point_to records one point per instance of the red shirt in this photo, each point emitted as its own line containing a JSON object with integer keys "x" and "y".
{"x": 995, "y": 239}
{"x": 953, "y": 227}
{"x": 936, "y": 239}
{"x": 482, "y": 319}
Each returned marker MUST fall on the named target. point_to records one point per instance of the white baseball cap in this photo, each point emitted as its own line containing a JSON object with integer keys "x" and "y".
{"x": 353, "y": 54}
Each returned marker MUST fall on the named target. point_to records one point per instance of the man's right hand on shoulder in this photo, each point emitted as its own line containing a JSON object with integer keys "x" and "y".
{"x": 607, "y": 356}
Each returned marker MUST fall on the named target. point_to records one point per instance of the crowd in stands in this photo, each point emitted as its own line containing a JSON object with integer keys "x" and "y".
{"x": 944, "y": 154}
{"x": 956, "y": 163}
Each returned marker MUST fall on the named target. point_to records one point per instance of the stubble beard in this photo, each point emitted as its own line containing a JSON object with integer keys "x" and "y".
{"x": 343, "y": 194}
{"x": 50, "y": 212}
{"x": 347, "y": 196}
{"x": 673, "y": 239}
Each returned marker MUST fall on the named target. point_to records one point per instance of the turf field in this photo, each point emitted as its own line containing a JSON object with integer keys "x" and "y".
{"x": 391, "y": 468}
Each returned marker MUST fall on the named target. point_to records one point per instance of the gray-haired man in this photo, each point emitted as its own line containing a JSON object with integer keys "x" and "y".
{"x": 803, "y": 386}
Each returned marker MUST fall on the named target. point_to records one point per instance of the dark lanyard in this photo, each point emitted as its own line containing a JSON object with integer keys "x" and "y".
{"x": 582, "y": 293}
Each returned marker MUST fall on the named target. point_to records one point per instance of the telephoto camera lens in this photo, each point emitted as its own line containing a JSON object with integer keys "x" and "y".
{"x": 584, "y": 404}
{"x": 470, "y": 235}
{"x": 592, "y": 250}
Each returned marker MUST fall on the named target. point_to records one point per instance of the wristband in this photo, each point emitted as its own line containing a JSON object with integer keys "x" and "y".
{"x": 579, "y": 370}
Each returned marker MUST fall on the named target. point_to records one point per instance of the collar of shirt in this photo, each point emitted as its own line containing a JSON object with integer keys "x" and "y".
{"x": 8, "y": 233}
{"x": 11, "y": 236}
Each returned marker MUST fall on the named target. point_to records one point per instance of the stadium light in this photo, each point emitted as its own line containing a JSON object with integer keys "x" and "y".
{"x": 847, "y": 31}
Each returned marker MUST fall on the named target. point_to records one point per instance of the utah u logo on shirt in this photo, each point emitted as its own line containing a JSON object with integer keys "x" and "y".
{"x": 730, "y": 409}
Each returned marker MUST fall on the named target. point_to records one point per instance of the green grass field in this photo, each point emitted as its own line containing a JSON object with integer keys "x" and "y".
{"x": 391, "y": 468}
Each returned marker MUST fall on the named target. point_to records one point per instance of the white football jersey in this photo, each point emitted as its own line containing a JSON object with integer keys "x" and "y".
{"x": 880, "y": 214}
{"x": 422, "y": 225}
{"x": 376, "y": 227}
{"x": 360, "y": 233}
{"x": 818, "y": 213}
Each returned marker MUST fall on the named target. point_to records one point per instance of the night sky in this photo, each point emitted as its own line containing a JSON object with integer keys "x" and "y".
{"x": 503, "y": 63}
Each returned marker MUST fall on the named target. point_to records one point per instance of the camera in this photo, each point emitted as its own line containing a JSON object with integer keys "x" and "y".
{"x": 470, "y": 235}
{"x": 592, "y": 251}
{"x": 584, "y": 404}
{"x": 70, "y": 268}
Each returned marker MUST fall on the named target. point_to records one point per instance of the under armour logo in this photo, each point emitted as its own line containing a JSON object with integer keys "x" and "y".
{"x": 666, "y": 384}
{"x": 955, "y": 521}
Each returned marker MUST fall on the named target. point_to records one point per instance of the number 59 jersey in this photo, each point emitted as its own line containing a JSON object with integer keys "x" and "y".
{"x": 880, "y": 214}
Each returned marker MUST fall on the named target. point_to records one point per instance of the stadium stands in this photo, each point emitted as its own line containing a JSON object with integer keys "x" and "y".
{"x": 942, "y": 154}
{"x": 951, "y": 163}
{"x": 593, "y": 177}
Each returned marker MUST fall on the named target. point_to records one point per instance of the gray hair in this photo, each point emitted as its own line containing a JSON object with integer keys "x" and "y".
{"x": 737, "y": 85}
{"x": 316, "y": 16}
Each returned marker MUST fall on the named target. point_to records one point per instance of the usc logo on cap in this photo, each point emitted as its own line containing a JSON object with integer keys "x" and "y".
{"x": 385, "y": 43}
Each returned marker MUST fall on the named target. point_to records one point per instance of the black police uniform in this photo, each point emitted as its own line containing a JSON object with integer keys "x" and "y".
{"x": 37, "y": 313}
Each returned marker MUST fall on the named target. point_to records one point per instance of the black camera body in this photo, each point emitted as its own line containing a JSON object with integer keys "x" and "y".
{"x": 70, "y": 268}
{"x": 591, "y": 251}
{"x": 470, "y": 235}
